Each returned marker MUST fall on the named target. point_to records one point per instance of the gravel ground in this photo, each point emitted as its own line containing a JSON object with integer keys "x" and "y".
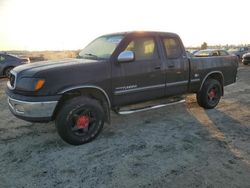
{"x": 177, "y": 146}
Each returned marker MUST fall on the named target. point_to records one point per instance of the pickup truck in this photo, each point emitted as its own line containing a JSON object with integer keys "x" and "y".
{"x": 112, "y": 72}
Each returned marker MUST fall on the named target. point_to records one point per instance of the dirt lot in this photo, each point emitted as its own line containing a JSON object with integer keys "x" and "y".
{"x": 177, "y": 146}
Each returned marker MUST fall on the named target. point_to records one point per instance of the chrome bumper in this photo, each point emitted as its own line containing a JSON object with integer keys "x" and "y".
{"x": 32, "y": 109}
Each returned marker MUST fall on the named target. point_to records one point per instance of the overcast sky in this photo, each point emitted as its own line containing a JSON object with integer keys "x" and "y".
{"x": 71, "y": 24}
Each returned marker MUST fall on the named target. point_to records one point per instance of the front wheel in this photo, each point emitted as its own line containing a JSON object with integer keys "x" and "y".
{"x": 7, "y": 71}
{"x": 209, "y": 96}
{"x": 80, "y": 120}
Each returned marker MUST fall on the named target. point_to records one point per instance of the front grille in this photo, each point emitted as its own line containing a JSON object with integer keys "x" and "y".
{"x": 12, "y": 80}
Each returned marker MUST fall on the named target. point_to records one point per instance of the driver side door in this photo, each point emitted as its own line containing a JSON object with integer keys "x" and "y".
{"x": 141, "y": 79}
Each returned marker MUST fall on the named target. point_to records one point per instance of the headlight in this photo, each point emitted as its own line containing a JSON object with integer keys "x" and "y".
{"x": 30, "y": 84}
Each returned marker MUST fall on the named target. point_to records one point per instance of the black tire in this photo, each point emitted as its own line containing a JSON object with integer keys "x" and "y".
{"x": 209, "y": 95}
{"x": 245, "y": 63}
{"x": 85, "y": 110}
{"x": 6, "y": 72}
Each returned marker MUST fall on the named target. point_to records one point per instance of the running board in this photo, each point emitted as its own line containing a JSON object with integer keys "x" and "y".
{"x": 126, "y": 112}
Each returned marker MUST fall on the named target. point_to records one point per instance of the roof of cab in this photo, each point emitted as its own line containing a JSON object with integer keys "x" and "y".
{"x": 143, "y": 33}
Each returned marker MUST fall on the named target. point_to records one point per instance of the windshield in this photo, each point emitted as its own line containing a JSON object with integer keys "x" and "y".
{"x": 101, "y": 48}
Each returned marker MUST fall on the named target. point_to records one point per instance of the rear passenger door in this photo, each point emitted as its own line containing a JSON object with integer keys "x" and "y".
{"x": 177, "y": 66}
{"x": 142, "y": 79}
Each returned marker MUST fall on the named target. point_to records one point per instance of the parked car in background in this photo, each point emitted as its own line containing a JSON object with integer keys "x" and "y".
{"x": 211, "y": 52}
{"x": 8, "y": 62}
{"x": 246, "y": 58}
{"x": 239, "y": 52}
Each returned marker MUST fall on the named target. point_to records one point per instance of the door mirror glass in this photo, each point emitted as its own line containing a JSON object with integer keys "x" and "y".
{"x": 126, "y": 56}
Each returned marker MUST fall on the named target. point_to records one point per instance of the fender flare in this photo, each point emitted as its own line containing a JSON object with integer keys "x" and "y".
{"x": 210, "y": 73}
{"x": 87, "y": 87}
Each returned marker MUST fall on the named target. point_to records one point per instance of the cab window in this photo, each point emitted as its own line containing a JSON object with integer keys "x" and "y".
{"x": 215, "y": 53}
{"x": 223, "y": 53}
{"x": 144, "y": 48}
{"x": 172, "y": 48}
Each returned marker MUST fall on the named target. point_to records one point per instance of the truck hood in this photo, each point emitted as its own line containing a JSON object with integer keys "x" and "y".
{"x": 60, "y": 75}
{"x": 29, "y": 70}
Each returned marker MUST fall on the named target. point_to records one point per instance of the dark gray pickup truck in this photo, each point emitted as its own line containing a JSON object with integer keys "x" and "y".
{"x": 114, "y": 71}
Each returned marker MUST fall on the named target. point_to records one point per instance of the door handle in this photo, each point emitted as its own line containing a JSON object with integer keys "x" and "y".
{"x": 170, "y": 66}
{"x": 158, "y": 67}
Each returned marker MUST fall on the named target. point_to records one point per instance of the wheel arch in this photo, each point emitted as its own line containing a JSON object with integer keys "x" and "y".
{"x": 6, "y": 67}
{"x": 89, "y": 91}
{"x": 217, "y": 75}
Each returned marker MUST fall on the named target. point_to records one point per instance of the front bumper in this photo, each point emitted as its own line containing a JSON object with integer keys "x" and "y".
{"x": 41, "y": 111}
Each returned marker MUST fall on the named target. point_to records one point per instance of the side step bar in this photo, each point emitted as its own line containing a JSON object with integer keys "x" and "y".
{"x": 126, "y": 112}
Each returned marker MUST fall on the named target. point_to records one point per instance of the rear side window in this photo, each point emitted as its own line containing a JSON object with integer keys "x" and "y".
{"x": 144, "y": 48}
{"x": 172, "y": 47}
{"x": 223, "y": 53}
{"x": 215, "y": 53}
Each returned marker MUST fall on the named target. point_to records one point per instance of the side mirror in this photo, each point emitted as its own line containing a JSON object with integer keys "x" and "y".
{"x": 126, "y": 56}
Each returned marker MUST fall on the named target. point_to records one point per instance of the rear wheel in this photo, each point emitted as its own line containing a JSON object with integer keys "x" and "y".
{"x": 7, "y": 71}
{"x": 210, "y": 94}
{"x": 80, "y": 120}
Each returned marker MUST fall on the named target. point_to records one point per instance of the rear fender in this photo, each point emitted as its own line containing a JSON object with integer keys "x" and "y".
{"x": 218, "y": 75}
